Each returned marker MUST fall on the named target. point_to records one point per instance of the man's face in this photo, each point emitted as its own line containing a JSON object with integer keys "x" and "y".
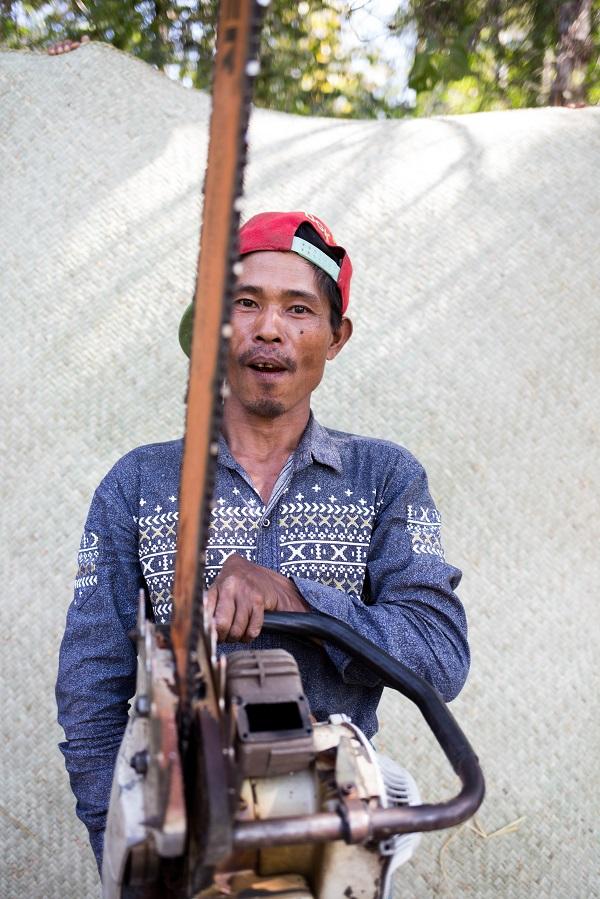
{"x": 282, "y": 335}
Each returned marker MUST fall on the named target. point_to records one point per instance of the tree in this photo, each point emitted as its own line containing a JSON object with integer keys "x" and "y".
{"x": 475, "y": 55}
{"x": 470, "y": 55}
{"x": 304, "y": 66}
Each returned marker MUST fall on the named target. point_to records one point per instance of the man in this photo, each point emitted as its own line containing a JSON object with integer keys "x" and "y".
{"x": 305, "y": 518}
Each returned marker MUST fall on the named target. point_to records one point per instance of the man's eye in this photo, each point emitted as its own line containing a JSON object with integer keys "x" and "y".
{"x": 298, "y": 309}
{"x": 245, "y": 302}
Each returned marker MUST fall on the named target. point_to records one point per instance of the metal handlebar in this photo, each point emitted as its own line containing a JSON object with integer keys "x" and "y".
{"x": 384, "y": 822}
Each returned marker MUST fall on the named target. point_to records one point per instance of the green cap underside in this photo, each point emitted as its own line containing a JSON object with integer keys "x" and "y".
{"x": 185, "y": 330}
{"x": 302, "y": 248}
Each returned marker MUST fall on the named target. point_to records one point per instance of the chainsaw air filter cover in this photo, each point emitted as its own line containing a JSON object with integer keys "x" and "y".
{"x": 271, "y": 716}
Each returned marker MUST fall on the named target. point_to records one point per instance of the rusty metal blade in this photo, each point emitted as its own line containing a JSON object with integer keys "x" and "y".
{"x": 218, "y": 253}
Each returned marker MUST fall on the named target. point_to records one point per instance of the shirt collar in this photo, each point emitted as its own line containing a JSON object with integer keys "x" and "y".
{"x": 316, "y": 445}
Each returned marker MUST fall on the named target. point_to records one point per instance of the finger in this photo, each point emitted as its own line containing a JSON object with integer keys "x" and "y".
{"x": 248, "y": 621}
{"x": 239, "y": 625}
{"x": 67, "y": 46}
{"x": 211, "y": 597}
{"x": 255, "y": 623}
{"x": 224, "y": 613}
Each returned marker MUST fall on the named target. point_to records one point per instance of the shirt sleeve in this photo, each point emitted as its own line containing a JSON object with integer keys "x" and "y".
{"x": 97, "y": 664}
{"x": 408, "y": 608}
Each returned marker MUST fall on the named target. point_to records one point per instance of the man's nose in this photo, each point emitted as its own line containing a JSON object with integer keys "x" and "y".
{"x": 269, "y": 326}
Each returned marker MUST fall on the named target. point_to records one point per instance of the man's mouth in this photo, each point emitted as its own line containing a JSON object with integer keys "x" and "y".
{"x": 267, "y": 364}
{"x": 267, "y": 367}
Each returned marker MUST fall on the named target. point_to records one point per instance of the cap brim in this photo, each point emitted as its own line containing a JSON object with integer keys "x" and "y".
{"x": 185, "y": 330}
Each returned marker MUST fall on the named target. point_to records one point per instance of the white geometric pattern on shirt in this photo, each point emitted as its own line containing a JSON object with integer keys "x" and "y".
{"x": 157, "y": 545}
{"x": 322, "y": 541}
{"x": 424, "y": 526}
{"x": 326, "y": 542}
{"x": 232, "y": 529}
{"x": 87, "y": 559}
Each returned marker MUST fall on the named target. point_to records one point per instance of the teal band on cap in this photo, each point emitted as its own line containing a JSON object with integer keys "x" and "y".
{"x": 314, "y": 254}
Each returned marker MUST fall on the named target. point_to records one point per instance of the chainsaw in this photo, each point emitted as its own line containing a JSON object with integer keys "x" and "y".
{"x": 224, "y": 784}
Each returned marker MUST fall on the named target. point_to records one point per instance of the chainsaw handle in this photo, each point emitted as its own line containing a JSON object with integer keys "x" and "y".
{"x": 394, "y": 674}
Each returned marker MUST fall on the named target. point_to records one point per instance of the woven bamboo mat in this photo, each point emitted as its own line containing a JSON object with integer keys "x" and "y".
{"x": 476, "y": 246}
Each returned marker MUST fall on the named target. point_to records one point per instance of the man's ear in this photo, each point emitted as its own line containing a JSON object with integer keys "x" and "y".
{"x": 340, "y": 338}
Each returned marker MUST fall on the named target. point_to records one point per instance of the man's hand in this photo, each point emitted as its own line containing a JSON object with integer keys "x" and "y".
{"x": 66, "y": 46}
{"x": 242, "y": 593}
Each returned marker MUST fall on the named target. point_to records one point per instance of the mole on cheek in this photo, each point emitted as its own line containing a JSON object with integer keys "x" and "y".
{"x": 302, "y": 332}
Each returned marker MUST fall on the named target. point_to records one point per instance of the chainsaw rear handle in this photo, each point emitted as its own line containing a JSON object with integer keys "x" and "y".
{"x": 384, "y": 822}
{"x": 394, "y": 674}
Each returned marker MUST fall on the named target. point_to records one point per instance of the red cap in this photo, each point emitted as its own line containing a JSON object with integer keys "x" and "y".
{"x": 277, "y": 231}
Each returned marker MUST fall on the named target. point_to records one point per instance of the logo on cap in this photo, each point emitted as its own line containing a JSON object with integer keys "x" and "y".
{"x": 320, "y": 227}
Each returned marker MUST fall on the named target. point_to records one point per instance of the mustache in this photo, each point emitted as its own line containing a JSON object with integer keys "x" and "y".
{"x": 248, "y": 357}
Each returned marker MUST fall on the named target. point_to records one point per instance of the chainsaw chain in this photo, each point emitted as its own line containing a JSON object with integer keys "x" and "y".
{"x": 197, "y": 630}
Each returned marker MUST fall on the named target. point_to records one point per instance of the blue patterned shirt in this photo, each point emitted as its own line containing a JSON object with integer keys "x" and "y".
{"x": 350, "y": 520}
